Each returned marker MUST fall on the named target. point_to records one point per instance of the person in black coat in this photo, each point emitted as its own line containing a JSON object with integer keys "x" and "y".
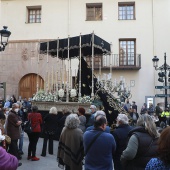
{"x": 50, "y": 127}
{"x": 134, "y": 116}
{"x": 121, "y": 137}
{"x": 61, "y": 123}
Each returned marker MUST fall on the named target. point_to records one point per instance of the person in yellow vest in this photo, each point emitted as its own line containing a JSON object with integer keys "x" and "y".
{"x": 166, "y": 114}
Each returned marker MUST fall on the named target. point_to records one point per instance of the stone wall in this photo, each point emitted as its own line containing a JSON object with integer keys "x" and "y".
{"x": 21, "y": 58}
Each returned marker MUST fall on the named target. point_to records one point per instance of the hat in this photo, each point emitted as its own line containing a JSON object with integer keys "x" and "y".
{"x": 53, "y": 110}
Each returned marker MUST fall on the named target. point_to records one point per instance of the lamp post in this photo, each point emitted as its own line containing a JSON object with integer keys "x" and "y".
{"x": 163, "y": 74}
{"x": 4, "y": 37}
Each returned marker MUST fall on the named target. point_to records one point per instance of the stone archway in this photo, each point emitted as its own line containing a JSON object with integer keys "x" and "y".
{"x": 28, "y": 85}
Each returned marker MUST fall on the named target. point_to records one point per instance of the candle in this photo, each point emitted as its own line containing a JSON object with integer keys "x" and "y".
{"x": 48, "y": 81}
{"x": 44, "y": 84}
{"x": 124, "y": 80}
{"x": 57, "y": 81}
{"x": 41, "y": 84}
{"x": 47, "y": 50}
{"x": 71, "y": 78}
{"x": 122, "y": 87}
{"x": 52, "y": 79}
{"x": 115, "y": 82}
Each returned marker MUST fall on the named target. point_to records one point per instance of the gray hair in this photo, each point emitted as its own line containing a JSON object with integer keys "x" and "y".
{"x": 99, "y": 112}
{"x": 93, "y": 107}
{"x": 15, "y": 105}
{"x": 123, "y": 118}
{"x": 72, "y": 121}
{"x": 53, "y": 110}
{"x": 147, "y": 122}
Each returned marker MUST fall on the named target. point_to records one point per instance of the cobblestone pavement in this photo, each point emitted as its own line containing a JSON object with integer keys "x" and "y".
{"x": 45, "y": 163}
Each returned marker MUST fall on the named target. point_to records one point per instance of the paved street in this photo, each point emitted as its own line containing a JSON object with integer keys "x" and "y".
{"x": 48, "y": 162}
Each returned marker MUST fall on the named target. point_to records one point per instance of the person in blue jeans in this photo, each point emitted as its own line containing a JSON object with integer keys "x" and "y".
{"x": 21, "y": 140}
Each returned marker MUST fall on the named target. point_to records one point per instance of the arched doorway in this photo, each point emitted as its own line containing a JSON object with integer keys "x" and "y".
{"x": 28, "y": 85}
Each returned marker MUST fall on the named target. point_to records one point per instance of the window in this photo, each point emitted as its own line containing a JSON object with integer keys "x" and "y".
{"x": 127, "y": 52}
{"x": 93, "y": 11}
{"x": 97, "y": 61}
{"x": 126, "y": 10}
{"x": 34, "y": 14}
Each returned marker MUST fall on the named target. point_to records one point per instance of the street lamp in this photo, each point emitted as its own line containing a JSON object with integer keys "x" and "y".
{"x": 163, "y": 74}
{"x": 4, "y": 37}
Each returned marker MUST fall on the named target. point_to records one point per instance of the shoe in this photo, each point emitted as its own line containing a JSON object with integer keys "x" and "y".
{"x": 35, "y": 159}
{"x": 29, "y": 157}
{"x": 21, "y": 152}
{"x": 19, "y": 164}
{"x": 19, "y": 157}
{"x": 43, "y": 155}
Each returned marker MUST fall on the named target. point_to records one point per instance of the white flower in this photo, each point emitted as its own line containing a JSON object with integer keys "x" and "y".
{"x": 61, "y": 93}
{"x": 85, "y": 99}
{"x": 73, "y": 93}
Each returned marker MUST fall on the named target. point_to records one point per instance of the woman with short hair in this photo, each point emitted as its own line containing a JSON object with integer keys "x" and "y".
{"x": 36, "y": 121}
{"x": 142, "y": 145}
{"x": 163, "y": 160}
{"x": 50, "y": 128}
{"x": 70, "y": 148}
{"x": 82, "y": 118}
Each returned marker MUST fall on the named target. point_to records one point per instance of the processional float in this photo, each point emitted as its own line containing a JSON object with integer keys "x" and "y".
{"x": 80, "y": 47}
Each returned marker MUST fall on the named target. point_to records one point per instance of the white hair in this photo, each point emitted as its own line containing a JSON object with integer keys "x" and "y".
{"x": 123, "y": 118}
{"x": 72, "y": 121}
{"x": 53, "y": 110}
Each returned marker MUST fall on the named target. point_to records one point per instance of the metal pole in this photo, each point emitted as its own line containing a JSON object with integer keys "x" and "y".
{"x": 68, "y": 73}
{"x": 165, "y": 68}
{"x": 80, "y": 68}
{"x": 92, "y": 90}
{"x": 57, "y": 71}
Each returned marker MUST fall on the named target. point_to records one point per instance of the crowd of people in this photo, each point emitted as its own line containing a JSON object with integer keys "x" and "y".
{"x": 136, "y": 142}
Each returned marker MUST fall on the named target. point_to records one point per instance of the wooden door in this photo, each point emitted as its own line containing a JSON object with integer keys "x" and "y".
{"x": 28, "y": 85}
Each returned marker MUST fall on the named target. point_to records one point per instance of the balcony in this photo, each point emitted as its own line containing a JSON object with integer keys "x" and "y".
{"x": 130, "y": 61}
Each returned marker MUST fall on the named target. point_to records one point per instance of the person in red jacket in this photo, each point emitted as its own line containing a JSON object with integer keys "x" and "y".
{"x": 36, "y": 121}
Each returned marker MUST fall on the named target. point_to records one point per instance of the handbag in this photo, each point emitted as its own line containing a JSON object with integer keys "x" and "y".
{"x": 7, "y": 139}
{"x": 27, "y": 127}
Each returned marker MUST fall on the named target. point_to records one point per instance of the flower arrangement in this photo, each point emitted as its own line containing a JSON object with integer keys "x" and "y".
{"x": 73, "y": 93}
{"x": 61, "y": 93}
{"x": 41, "y": 95}
{"x": 85, "y": 99}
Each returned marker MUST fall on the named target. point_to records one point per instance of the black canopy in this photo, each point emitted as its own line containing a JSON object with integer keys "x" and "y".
{"x": 100, "y": 46}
